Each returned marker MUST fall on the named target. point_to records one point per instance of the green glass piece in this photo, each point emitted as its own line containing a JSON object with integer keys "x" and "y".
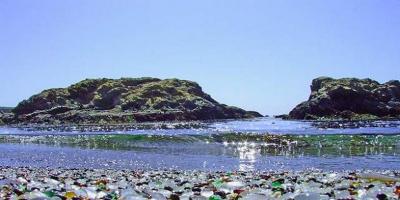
{"x": 214, "y": 197}
{"x": 102, "y": 187}
{"x": 217, "y": 183}
{"x": 49, "y": 193}
{"x": 276, "y": 184}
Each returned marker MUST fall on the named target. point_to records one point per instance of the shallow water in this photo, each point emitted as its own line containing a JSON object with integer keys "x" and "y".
{"x": 223, "y": 145}
{"x": 259, "y": 125}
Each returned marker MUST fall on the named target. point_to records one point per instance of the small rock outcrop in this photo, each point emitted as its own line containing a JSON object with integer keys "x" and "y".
{"x": 125, "y": 100}
{"x": 350, "y": 98}
{"x": 6, "y": 115}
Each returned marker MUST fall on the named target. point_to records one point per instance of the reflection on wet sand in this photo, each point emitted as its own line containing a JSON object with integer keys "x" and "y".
{"x": 248, "y": 153}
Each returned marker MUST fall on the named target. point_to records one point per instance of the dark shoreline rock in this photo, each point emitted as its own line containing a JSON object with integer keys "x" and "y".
{"x": 124, "y": 100}
{"x": 350, "y": 99}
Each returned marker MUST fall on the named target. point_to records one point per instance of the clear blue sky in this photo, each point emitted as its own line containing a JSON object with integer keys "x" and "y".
{"x": 259, "y": 55}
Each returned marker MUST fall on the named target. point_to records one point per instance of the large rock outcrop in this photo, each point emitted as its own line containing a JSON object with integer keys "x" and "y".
{"x": 125, "y": 100}
{"x": 349, "y": 98}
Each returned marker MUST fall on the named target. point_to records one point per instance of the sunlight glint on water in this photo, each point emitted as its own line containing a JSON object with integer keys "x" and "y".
{"x": 224, "y": 145}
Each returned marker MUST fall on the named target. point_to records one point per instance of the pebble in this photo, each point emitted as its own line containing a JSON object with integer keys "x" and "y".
{"x": 54, "y": 184}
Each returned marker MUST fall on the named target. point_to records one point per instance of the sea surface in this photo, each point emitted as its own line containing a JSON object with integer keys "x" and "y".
{"x": 258, "y": 144}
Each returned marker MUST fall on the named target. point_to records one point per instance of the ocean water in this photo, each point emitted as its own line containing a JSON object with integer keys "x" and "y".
{"x": 258, "y": 144}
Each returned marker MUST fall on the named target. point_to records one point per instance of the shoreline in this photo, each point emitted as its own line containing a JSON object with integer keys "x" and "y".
{"x": 30, "y": 183}
{"x": 171, "y": 125}
{"x": 206, "y": 121}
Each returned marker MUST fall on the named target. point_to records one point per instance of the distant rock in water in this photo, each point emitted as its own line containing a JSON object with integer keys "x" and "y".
{"x": 125, "y": 100}
{"x": 6, "y": 109}
{"x": 282, "y": 116}
{"x": 350, "y": 98}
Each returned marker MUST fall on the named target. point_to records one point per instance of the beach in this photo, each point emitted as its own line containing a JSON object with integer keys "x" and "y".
{"x": 31, "y": 183}
{"x": 263, "y": 158}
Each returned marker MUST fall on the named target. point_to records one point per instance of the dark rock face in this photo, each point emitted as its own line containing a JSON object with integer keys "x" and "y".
{"x": 349, "y": 98}
{"x": 125, "y": 100}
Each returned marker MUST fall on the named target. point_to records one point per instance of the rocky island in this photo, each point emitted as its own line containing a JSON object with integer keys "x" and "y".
{"x": 124, "y": 100}
{"x": 350, "y": 99}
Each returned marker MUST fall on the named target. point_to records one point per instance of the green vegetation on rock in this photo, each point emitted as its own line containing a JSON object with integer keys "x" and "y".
{"x": 125, "y": 100}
